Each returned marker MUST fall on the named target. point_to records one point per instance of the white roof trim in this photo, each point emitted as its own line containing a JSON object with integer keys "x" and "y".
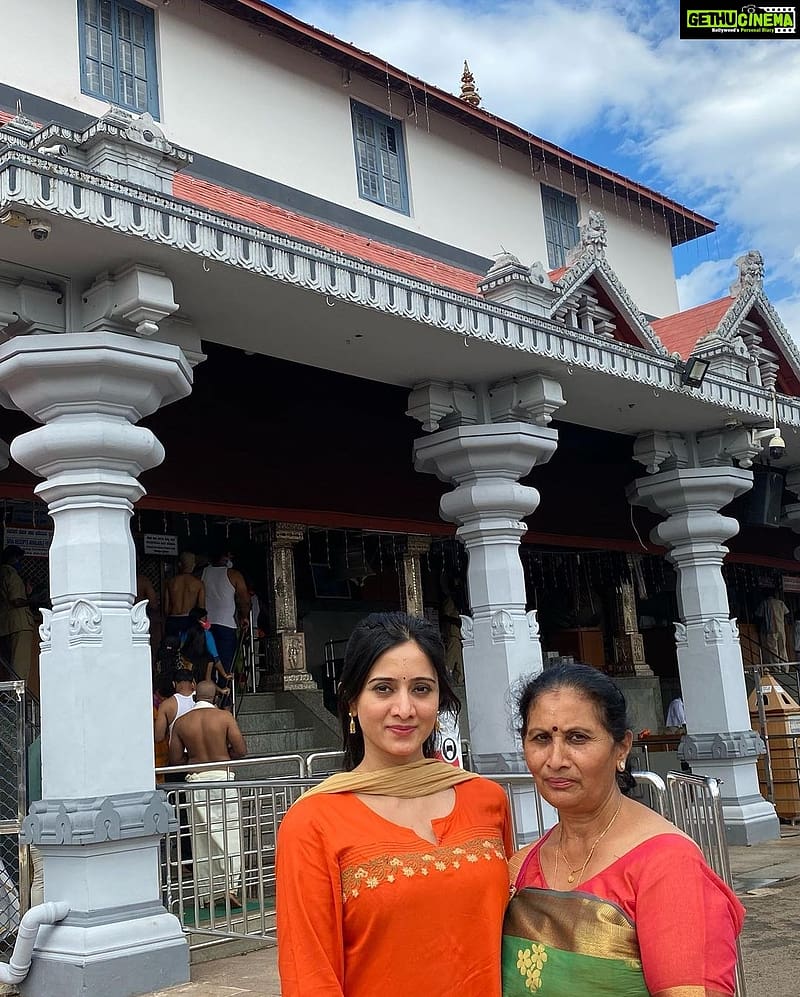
{"x": 133, "y": 211}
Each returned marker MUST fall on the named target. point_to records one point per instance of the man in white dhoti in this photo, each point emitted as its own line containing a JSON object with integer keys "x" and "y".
{"x": 208, "y": 734}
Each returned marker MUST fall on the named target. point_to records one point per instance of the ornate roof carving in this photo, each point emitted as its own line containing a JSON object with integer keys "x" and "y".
{"x": 591, "y": 262}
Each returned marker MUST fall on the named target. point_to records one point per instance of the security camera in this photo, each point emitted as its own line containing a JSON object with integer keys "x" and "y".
{"x": 58, "y": 149}
{"x": 776, "y": 447}
{"x": 39, "y": 229}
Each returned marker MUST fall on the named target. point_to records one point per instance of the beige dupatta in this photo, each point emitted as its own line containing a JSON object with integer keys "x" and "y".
{"x": 422, "y": 778}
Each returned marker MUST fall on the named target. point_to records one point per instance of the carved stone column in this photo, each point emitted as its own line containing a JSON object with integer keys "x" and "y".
{"x": 287, "y": 647}
{"x": 491, "y": 437}
{"x": 100, "y": 822}
{"x": 628, "y": 642}
{"x": 698, "y": 481}
{"x": 411, "y": 574}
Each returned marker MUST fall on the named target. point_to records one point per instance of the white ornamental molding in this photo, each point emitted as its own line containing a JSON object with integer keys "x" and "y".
{"x": 525, "y": 399}
{"x": 659, "y": 451}
{"x": 533, "y": 624}
{"x": 140, "y": 623}
{"x": 45, "y": 629}
{"x": 58, "y": 188}
{"x": 502, "y": 626}
{"x": 467, "y": 631}
{"x": 713, "y": 631}
{"x": 440, "y": 404}
{"x": 85, "y": 623}
{"x": 681, "y": 635}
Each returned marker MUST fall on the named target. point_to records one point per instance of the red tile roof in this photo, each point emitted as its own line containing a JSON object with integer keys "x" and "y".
{"x": 294, "y": 225}
{"x": 680, "y": 332}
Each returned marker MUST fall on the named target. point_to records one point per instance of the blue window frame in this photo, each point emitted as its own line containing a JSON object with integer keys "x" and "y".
{"x": 560, "y": 225}
{"x": 118, "y": 53}
{"x": 380, "y": 158}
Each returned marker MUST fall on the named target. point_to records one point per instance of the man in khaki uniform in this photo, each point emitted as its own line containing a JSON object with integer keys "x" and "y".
{"x": 16, "y": 618}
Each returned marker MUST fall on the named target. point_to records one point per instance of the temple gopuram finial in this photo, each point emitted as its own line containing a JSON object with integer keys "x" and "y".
{"x": 469, "y": 92}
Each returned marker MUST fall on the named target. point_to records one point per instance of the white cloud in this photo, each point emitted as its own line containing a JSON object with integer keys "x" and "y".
{"x": 708, "y": 281}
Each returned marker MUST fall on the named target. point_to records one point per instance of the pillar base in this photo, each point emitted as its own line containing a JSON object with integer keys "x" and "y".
{"x": 748, "y": 822}
{"x": 730, "y": 757}
{"x": 116, "y": 953}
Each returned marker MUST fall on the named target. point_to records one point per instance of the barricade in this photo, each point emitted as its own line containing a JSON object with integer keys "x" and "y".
{"x": 696, "y": 808}
{"x": 14, "y": 866}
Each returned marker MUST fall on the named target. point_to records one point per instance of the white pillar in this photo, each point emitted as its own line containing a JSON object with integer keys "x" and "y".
{"x": 484, "y": 449}
{"x": 100, "y": 823}
{"x": 719, "y": 741}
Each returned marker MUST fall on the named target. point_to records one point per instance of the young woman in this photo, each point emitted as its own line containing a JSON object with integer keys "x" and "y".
{"x": 390, "y": 876}
{"x": 614, "y": 900}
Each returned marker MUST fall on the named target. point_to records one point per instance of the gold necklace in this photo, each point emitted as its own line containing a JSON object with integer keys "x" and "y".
{"x": 560, "y": 852}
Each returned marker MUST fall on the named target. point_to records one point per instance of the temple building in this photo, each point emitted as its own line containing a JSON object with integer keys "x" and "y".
{"x": 261, "y": 289}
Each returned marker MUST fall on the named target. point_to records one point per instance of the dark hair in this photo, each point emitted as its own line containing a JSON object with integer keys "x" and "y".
{"x": 168, "y": 656}
{"x": 198, "y": 613}
{"x": 193, "y": 646}
{"x": 182, "y": 675}
{"x": 163, "y": 684}
{"x": 12, "y": 553}
{"x": 593, "y": 685}
{"x": 372, "y": 637}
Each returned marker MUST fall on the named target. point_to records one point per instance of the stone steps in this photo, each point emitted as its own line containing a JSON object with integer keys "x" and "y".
{"x": 281, "y": 742}
{"x": 265, "y": 723}
{"x": 256, "y": 702}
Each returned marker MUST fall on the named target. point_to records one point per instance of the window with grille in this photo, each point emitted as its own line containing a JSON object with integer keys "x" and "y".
{"x": 560, "y": 225}
{"x": 380, "y": 158}
{"x": 118, "y": 53}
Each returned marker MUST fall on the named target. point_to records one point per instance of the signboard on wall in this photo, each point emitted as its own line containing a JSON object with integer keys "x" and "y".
{"x": 35, "y": 543}
{"x": 161, "y": 544}
{"x": 791, "y": 583}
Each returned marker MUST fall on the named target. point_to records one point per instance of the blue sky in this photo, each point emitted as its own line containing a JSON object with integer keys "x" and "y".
{"x": 716, "y": 125}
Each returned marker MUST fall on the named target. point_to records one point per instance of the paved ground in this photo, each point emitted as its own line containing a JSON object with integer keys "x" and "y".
{"x": 767, "y": 878}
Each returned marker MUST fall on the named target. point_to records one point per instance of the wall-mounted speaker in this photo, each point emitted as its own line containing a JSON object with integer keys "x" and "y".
{"x": 765, "y": 497}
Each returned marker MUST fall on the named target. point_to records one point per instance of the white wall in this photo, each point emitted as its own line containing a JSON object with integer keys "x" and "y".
{"x": 250, "y": 100}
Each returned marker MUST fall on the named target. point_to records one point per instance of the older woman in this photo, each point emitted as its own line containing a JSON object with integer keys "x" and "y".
{"x": 614, "y": 899}
{"x": 392, "y": 876}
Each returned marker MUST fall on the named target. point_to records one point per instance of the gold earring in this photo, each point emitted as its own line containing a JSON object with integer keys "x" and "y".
{"x": 352, "y": 723}
{"x": 621, "y": 766}
{"x": 437, "y": 726}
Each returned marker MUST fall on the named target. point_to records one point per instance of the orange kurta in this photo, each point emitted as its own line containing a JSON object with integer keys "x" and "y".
{"x": 366, "y": 907}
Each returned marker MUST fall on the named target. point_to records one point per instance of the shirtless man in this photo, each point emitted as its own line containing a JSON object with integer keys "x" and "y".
{"x": 183, "y": 593}
{"x": 208, "y": 734}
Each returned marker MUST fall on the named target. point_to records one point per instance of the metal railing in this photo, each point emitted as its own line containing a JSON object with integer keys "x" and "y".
{"x": 696, "y": 808}
{"x": 14, "y": 865}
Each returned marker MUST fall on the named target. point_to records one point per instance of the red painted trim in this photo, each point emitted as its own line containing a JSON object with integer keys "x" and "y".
{"x": 324, "y": 40}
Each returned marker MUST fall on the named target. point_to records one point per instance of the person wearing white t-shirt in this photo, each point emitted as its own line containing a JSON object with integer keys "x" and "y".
{"x": 227, "y": 603}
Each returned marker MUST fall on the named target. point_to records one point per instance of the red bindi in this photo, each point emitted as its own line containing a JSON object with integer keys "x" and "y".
{"x": 555, "y": 729}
